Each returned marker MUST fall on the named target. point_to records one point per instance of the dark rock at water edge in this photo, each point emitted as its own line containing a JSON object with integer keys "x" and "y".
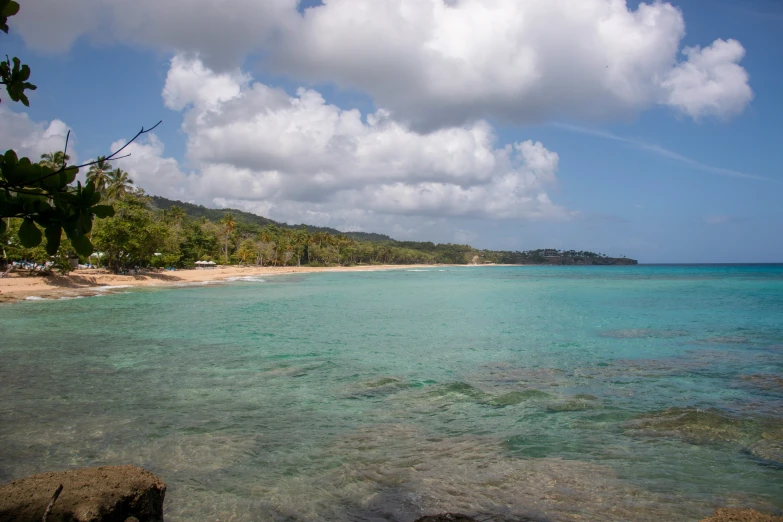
{"x": 104, "y": 494}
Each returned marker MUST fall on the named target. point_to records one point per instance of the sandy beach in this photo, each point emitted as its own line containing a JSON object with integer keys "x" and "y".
{"x": 19, "y": 285}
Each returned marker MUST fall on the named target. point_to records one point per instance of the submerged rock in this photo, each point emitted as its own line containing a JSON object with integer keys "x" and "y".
{"x": 767, "y": 450}
{"x": 694, "y": 425}
{"x": 770, "y": 447}
{"x": 579, "y": 402}
{"x": 105, "y": 494}
{"x": 768, "y": 382}
{"x": 741, "y": 515}
{"x": 376, "y": 387}
{"x": 642, "y": 333}
{"x": 401, "y": 472}
{"x": 726, "y": 339}
{"x": 459, "y": 388}
{"x": 446, "y": 517}
{"x": 515, "y": 397}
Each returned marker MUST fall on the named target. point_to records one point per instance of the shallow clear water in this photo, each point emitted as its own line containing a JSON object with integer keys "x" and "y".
{"x": 554, "y": 393}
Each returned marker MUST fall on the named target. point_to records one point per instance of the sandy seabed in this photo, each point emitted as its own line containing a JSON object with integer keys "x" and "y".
{"x": 20, "y": 285}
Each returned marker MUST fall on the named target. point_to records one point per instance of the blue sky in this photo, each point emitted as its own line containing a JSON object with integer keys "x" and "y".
{"x": 646, "y": 175}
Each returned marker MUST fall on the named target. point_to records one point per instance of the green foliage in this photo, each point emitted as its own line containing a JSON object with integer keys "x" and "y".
{"x": 13, "y": 74}
{"x": 7, "y": 8}
{"x": 46, "y": 199}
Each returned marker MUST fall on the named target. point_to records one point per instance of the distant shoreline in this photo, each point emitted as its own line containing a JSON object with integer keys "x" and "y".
{"x": 19, "y": 286}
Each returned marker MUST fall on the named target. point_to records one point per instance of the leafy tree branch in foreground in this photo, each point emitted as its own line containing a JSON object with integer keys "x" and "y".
{"x": 43, "y": 194}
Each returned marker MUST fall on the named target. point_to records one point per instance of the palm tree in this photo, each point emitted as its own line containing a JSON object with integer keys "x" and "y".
{"x": 300, "y": 237}
{"x": 313, "y": 240}
{"x": 99, "y": 174}
{"x": 54, "y": 160}
{"x": 119, "y": 184}
{"x": 230, "y": 225}
{"x": 177, "y": 214}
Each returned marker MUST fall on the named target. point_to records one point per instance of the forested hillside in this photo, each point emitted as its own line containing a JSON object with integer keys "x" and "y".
{"x": 214, "y": 214}
{"x": 154, "y": 231}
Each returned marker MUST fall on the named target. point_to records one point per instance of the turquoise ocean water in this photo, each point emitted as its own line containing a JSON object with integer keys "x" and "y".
{"x": 543, "y": 393}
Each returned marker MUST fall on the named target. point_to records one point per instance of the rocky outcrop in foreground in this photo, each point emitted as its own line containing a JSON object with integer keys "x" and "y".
{"x": 741, "y": 515}
{"x": 105, "y": 494}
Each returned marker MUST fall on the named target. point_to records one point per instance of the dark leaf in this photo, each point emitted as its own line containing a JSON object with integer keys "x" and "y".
{"x": 103, "y": 211}
{"x": 70, "y": 174}
{"x": 10, "y": 9}
{"x": 10, "y": 157}
{"x": 29, "y": 234}
{"x": 82, "y": 245}
{"x": 53, "y": 233}
{"x": 88, "y": 192}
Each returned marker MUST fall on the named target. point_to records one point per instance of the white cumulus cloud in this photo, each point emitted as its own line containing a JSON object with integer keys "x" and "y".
{"x": 436, "y": 63}
{"x": 297, "y": 157}
{"x": 222, "y": 32}
{"x": 710, "y": 82}
{"x": 31, "y": 138}
{"x": 152, "y": 171}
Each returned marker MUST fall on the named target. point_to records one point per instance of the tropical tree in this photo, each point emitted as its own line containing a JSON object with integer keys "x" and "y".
{"x": 132, "y": 236}
{"x": 313, "y": 243}
{"x": 228, "y": 228}
{"x": 266, "y": 250}
{"x": 99, "y": 174}
{"x": 248, "y": 249}
{"x": 54, "y": 160}
{"x": 266, "y": 246}
{"x": 300, "y": 240}
{"x": 119, "y": 184}
{"x": 177, "y": 214}
{"x": 200, "y": 240}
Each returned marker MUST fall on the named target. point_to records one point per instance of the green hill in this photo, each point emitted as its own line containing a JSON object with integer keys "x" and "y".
{"x": 441, "y": 253}
{"x": 215, "y": 214}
